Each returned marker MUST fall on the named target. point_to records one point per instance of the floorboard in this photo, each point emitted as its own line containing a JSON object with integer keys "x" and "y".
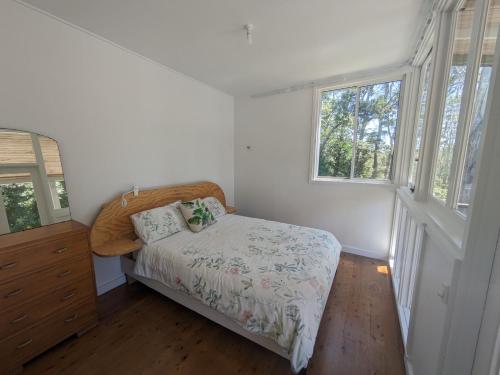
{"x": 143, "y": 332}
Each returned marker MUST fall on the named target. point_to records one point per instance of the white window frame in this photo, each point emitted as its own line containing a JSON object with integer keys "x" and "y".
{"x": 426, "y": 65}
{"x": 466, "y": 106}
{"x": 440, "y": 37}
{"x": 474, "y": 63}
{"x": 58, "y": 213}
{"x": 316, "y": 123}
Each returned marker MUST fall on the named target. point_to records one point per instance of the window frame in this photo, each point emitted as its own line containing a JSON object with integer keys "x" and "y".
{"x": 426, "y": 64}
{"x": 59, "y": 213}
{"x": 440, "y": 37}
{"x": 474, "y": 64}
{"x": 452, "y": 17}
{"x": 316, "y": 123}
{"x": 466, "y": 104}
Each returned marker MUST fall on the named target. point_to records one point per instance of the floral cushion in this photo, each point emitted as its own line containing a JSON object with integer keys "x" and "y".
{"x": 215, "y": 207}
{"x": 157, "y": 223}
{"x": 197, "y": 214}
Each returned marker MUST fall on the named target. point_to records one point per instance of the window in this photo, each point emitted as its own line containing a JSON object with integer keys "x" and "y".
{"x": 463, "y": 120}
{"x": 422, "y": 104}
{"x": 18, "y": 202}
{"x": 478, "y": 110}
{"x": 453, "y": 102}
{"x": 356, "y": 131}
{"x": 58, "y": 192}
{"x": 53, "y": 169}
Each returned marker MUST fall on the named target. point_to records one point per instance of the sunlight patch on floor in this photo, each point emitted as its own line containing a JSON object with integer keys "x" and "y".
{"x": 382, "y": 269}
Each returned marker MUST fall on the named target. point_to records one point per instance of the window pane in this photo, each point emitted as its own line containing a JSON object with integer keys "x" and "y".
{"x": 16, "y": 148}
{"x": 58, "y": 192}
{"x": 336, "y": 132}
{"x": 422, "y": 110}
{"x": 481, "y": 94}
{"x": 19, "y": 202}
{"x": 456, "y": 80}
{"x": 376, "y": 133}
{"x": 62, "y": 193}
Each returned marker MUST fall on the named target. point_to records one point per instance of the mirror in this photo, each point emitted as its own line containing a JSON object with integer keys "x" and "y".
{"x": 32, "y": 188}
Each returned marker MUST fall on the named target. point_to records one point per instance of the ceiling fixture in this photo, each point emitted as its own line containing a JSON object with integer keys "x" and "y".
{"x": 249, "y": 29}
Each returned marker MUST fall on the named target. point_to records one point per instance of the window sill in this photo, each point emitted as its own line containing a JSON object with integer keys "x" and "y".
{"x": 330, "y": 180}
{"x": 439, "y": 220}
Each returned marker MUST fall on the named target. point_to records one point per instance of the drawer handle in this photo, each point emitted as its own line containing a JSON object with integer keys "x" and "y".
{"x": 8, "y": 266}
{"x": 67, "y": 296}
{"x": 65, "y": 273}
{"x": 69, "y": 320}
{"x": 61, "y": 250}
{"x": 20, "y": 319}
{"x": 25, "y": 344}
{"x": 15, "y": 293}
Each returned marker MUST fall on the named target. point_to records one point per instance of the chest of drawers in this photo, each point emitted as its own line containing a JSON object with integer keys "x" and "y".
{"x": 47, "y": 290}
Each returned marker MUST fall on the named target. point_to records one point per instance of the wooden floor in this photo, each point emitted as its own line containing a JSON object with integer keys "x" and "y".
{"x": 143, "y": 332}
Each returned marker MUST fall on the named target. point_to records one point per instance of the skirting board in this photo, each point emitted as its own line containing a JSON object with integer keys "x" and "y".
{"x": 202, "y": 309}
{"x": 364, "y": 253}
{"x": 111, "y": 284}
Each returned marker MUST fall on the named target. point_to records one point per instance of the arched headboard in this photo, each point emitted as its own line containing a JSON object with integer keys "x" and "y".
{"x": 113, "y": 232}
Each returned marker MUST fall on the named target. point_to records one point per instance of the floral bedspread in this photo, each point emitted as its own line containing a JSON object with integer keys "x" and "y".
{"x": 271, "y": 278}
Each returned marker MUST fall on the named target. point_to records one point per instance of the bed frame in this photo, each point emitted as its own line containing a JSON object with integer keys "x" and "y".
{"x": 113, "y": 234}
{"x": 201, "y": 308}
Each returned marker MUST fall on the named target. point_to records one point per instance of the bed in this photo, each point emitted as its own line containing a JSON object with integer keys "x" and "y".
{"x": 265, "y": 280}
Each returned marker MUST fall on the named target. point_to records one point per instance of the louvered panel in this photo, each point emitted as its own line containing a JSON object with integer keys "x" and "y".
{"x": 408, "y": 262}
{"x": 407, "y": 248}
{"x": 419, "y": 237}
{"x": 398, "y": 250}
{"x": 402, "y": 262}
{"x": 400, "y": 239}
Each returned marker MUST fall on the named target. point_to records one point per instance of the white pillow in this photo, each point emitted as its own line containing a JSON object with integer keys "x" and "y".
{"x": 157, "y": 223}
{"x": 178, "y": 213}
{"x": 215, "y": 206}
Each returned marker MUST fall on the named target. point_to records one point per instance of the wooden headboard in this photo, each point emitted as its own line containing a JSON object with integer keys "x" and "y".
{"x": 113, "y": 232}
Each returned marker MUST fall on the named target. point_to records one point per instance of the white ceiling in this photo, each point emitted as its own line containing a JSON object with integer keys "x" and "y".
{"x": 295, "y": 41}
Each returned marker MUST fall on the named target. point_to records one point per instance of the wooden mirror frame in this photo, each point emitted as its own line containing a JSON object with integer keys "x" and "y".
{"x": 113, "y": 234}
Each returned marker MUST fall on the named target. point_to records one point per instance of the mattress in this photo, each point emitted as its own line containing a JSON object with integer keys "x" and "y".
{"x": 271, "y": 278}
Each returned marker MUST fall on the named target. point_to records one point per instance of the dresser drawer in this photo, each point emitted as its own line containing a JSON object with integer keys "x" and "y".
{"x": 30, "y": 313}
{"x": 22, "y": 260}
{"x": 36, "y": 284}
{"x": 17, "y": 349}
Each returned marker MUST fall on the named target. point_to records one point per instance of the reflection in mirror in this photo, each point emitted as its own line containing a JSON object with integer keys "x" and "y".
{"x": 32, "y": 188}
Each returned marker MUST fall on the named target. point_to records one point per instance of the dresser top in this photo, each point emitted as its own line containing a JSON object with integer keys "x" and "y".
{"x": 41, "y": 233}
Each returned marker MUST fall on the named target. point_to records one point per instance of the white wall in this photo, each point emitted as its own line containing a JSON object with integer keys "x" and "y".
{"x": 119, "y": 118}
{"x": 271, "y": 178}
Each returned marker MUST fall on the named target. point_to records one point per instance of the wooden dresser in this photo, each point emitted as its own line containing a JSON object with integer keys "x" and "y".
{"x": 47, "y": 290}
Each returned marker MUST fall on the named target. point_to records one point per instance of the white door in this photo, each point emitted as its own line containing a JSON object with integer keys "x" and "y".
{"x": 487, "y": 358}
